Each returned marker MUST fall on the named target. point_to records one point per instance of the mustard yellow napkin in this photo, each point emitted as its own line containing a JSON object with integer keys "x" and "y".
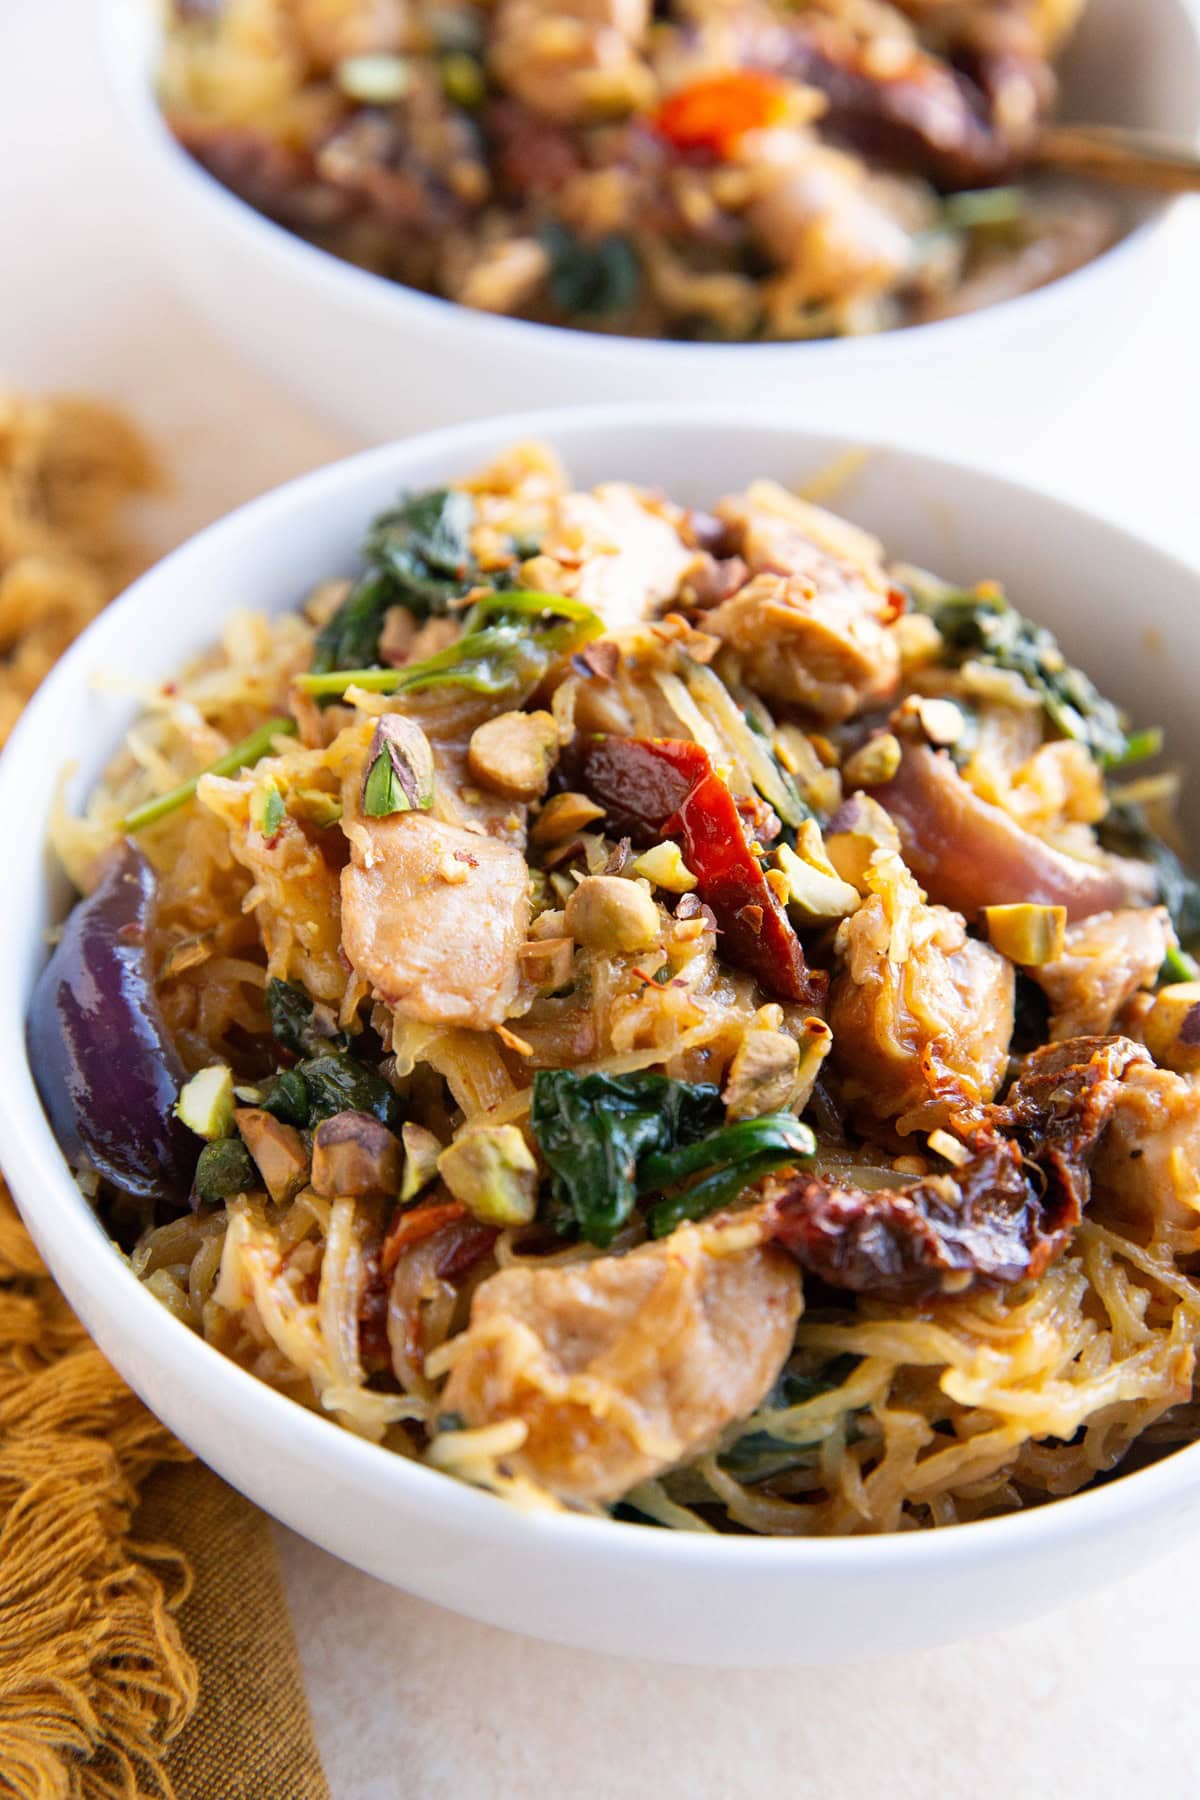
{"x": 145, "y": 1645}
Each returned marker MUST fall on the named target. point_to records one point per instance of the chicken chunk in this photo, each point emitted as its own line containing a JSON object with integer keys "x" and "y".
{"x": 624, "y": 1367}
{"x": 813, "y": 626}
{"x": 922, "y": 1015}
{"x": 635, "y": 558}
{"x": 820, "y": 221}
{"x": 1107, "y": 959}
{"x": 433, "y": 917}
{"x": 1146, "y": 1178}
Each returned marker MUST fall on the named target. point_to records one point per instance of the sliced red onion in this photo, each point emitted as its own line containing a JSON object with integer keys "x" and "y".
{"x": 968, "y": 854}
{"x": 104, "y": 1065}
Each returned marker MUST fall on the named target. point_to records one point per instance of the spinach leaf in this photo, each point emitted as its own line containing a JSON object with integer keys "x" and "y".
{"x": 328, "y": 1084}
{"x": 339, "y": 1083}
{"x": 610, "y": 1138}
{"x": 350, "y": 638}
{"x": 286, "y": 1098}
{"x": 757, "y": 1455}
{"x": 291, "y": 1014}
{"x": 423, "y": 547}
{"x": 987, "y": 628}
{"x": 737, "y": 1157}
{"x": 594, "y": 1129}
{"x": 418, "y": 555}
{"x": 509, "y": 641}
{"x": 1127, "y": 830}
{"x": 597, "y": 278}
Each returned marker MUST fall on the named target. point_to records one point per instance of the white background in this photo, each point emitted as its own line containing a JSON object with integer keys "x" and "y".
{"x": 1098, "y": 1701}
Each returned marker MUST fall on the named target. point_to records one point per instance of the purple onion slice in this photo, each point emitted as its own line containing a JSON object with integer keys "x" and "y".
{"x": 104, "y": 1065}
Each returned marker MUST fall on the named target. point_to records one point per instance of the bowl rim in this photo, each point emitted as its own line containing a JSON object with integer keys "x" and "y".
{"x": 295, "y": 257}
{"x": 44, "y": 1188}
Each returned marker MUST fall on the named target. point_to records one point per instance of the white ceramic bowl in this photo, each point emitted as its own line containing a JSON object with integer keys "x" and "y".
{"x": 383, "y": 359}
{"x": 1131, "y": 613}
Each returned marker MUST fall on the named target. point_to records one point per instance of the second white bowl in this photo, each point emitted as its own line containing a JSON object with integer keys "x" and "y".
{"x": 381, "y": 359}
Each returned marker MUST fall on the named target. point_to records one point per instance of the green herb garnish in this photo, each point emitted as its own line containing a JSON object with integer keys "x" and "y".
{"x": 243, "y": 755}
{"x": 528, "y": 631}
{"x": 290, "y": 1011}
{"x": 597, "y": 278}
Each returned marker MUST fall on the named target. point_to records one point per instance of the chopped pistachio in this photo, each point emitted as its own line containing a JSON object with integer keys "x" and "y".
{"x": 562, "y": 816}
{"x": 1172, "y": 1029}
{"x": 205, "y": 1103}
{"x": 267, "y": 810}
{"x": 492, "y": 1172}
{"x": 863, "y": 828}
{"x": 814, "y": 887}
{"x": 873, "y": 763}
{"x": 762, "y": 1074}
{"x": 354, "y": 1154}
{"x": 374, "y": 79}
{"x": 663, "y": 865}
{"x": 942, "y": 721}
{"x": 399, "y": 775}
{"x": 421, "y": 1152}
{"x": 315, "y": 807}
{"x": 514, "y": 753}
{"x": 463, "y": 80}
{"x": 1027, "y": 934}
{"x": 610, "y": 914}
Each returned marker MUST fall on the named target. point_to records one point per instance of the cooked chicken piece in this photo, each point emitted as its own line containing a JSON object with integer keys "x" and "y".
{"x": 811, "y": 640}
{"x": 921, "y": 1014}
{"x": 572, "y": 60}
{"x": 433, "y": 917}
{"x": 812, "y": 627}
{"x": 1107, "y": 959}
{"x": 634, "y": 557}
{"x": 1146, "y": 1178}
{"x": 820, "y": 221}
{"x": 623, "y": 1367}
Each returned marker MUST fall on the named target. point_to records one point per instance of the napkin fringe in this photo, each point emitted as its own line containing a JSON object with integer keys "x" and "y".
{"x": 95, "y": 1681}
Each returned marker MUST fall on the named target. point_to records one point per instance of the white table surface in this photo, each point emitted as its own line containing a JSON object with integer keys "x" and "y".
{"x": 410, "y": 1700}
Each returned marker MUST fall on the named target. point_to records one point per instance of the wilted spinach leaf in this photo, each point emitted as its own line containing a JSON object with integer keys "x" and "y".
{"x": 610, "y": 1138}
{"x": 290, "y": 1010}
{"x": 758, "y": 1455}
{"x": 601, "y": 277}
{"x": 989, "y": 629}
{"x": 328, "y": 1084}
{"x": 594, "y": 1130}
{"x": 1127, "y": 830}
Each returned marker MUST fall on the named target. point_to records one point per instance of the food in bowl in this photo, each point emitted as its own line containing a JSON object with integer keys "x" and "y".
{"x": 721, "y": 170}
{"x": 651, "y": 1010}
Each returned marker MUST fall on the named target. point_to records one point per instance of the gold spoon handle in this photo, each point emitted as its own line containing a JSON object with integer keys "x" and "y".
{"x": 1123, "y": 158}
